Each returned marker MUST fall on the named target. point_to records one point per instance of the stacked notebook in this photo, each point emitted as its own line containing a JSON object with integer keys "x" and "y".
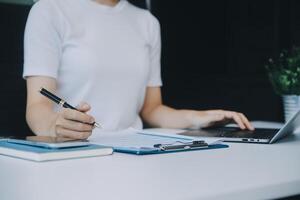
{"x": 45, "y": 154}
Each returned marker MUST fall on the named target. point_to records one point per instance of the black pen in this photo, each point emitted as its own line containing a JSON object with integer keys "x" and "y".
{"x": 61, "y": 102}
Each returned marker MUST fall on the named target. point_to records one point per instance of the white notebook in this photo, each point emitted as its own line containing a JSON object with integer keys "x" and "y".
{"x": 43, "y": 154}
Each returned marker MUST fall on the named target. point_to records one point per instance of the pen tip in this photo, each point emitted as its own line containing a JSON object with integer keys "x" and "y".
{"x": 97, "y": 125}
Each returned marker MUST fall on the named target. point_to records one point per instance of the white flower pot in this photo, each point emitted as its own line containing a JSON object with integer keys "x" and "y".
{"x": 291, "y": 104}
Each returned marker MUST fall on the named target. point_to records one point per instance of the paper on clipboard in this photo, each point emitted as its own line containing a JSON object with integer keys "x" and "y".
{"x": 136, "y": 138}
{"x": 174, "y": 133}
{"x": 130, "y": 138}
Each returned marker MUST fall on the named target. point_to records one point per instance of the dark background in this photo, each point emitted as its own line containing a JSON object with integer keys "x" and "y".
{"x": 213, "y": 55}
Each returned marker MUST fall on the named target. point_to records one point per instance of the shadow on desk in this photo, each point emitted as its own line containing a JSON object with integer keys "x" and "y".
{"x": 296, "y": 197}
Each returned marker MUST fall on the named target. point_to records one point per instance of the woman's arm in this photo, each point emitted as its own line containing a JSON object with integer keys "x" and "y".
{"x": 158, "y": 115}
{"x": 43, "y": 120}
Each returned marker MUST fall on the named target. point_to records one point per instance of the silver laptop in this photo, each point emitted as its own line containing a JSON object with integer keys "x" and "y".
{"x": 259, "y": 135}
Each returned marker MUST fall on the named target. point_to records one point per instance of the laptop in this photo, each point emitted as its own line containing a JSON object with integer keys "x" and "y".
{"x": 259, "y": 135}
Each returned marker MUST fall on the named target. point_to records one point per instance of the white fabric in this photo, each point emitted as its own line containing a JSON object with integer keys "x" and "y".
{"x": 106, "y": 56}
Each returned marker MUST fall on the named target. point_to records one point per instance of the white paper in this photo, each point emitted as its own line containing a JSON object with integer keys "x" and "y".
{"x": 131, "y": 138}
{"x": 143, "y": 138}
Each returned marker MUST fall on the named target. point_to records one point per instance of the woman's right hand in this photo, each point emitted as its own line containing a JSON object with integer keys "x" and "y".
{"x": 74, "y": 124}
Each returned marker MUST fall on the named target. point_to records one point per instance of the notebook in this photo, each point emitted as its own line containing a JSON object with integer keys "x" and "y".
{"x": 40, "y": 154}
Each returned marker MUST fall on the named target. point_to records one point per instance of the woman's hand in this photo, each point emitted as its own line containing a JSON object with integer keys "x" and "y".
{"x": 204, "y": 119}
{"x": 74, "y": 124}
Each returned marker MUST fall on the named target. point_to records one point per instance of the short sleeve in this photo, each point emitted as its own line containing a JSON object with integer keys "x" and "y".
{"x": 42, "y": 42}
{"x": 155, "y": 54}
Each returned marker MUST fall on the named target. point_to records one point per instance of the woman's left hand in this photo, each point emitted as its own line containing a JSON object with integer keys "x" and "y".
{"x": 208, "y": 118}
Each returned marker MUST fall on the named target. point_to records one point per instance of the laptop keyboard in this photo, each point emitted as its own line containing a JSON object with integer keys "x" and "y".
{"x": 233, "y": 133}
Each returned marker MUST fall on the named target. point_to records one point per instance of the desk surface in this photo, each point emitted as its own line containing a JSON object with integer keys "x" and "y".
{"x": 243, "y": 171}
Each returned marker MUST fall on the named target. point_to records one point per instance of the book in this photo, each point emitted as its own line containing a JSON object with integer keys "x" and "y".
{"x": 40, "y": 154}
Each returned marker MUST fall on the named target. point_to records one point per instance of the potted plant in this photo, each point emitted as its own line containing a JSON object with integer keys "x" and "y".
{"x": 284, "y": 74}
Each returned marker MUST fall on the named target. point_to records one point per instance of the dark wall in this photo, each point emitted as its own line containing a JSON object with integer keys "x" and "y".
{"x": 213, "y": 55}
{"x": 12, "y": 86}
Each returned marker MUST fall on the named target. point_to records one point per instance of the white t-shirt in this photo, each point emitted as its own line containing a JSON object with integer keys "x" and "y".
{"x": 106, "y": 56}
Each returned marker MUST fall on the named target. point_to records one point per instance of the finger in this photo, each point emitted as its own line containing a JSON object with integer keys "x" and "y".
{"x": 77, "y": 116}
{"x": 75, "y": 125}
{"x": 236, "y": 118}
{"x": 83, "y": 107}
{"x": 246, "y": 122}
{"x": 62, "y": 132}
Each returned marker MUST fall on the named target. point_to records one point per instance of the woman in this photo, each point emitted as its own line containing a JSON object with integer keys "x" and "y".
{"x": 106, "y": 53}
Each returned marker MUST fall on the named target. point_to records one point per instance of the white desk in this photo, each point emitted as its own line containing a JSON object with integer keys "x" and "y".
{"x": 243, "y": 171}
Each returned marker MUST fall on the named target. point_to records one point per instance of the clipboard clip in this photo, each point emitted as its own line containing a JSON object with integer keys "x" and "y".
{"x": 179, "y": 145}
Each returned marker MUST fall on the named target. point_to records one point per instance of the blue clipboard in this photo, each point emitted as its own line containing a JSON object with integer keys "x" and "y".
{"x": 139, "y": 143}
{"x": 148, "y": 150}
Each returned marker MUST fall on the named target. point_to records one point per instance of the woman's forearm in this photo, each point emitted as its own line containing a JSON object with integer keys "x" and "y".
{"x": 166, "y": 117}
{"x": 41, "y": 118}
